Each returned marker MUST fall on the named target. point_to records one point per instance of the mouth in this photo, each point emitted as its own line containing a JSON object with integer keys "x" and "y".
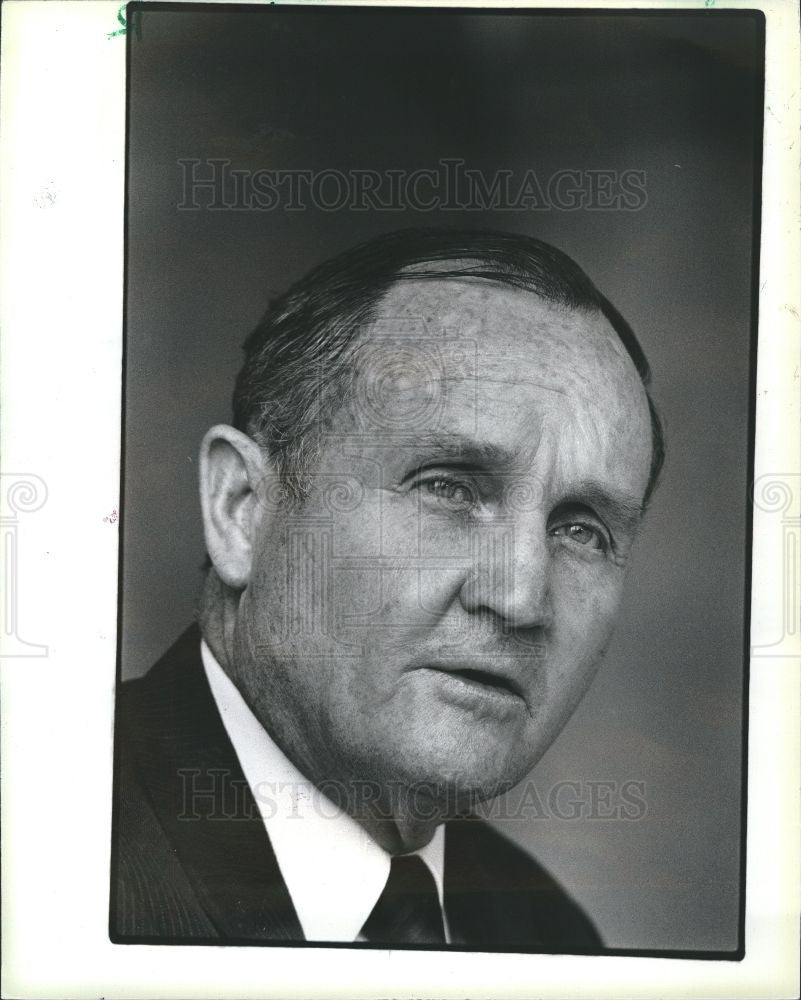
{"x": 483, "y": 680}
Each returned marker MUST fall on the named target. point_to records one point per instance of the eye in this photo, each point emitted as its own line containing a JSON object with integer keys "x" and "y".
{"x": 451, "y": 494}
{"x": 583, "y": 534}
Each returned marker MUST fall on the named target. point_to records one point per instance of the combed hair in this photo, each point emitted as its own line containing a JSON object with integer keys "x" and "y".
{"x": 299, "y": 359}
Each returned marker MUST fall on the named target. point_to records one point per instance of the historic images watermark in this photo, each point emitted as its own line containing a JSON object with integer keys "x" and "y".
{"x": 215, "y": 184}
{"x": 217, "y": 794}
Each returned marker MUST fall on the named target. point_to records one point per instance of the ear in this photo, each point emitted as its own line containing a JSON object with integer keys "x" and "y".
{"x": 232, "y": 472}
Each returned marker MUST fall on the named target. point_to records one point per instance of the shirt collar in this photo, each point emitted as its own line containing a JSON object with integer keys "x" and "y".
{"x": 333, "y": 869}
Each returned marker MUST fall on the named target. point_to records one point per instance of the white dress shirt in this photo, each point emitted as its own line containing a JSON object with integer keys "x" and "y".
{"x": 333, "y": 869}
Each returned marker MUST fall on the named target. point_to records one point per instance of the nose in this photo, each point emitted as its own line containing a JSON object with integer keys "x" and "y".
{"x": 510, "y": 575}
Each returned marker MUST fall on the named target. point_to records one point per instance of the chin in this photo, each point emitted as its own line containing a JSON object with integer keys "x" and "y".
{"x": 459, "y": 780}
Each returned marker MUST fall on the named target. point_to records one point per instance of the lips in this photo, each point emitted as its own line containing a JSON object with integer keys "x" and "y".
{"x": 490, "y": 680}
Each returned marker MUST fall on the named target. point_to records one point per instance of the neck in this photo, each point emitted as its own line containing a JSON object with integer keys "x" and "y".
{"x": 398, "y": 826}
{"x": 217, "y": 620}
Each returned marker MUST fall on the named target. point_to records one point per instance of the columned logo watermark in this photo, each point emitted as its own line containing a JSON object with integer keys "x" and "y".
{"x": 22, "y": 494}
{"x": 776, "y": 503}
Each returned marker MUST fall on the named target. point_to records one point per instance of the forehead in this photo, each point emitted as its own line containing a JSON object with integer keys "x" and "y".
{"x": 506, "y": 326}
{"x": 471, "y": 357}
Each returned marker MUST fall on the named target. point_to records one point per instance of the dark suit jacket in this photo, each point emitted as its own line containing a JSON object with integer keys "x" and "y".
{"x": 192, "y": 861}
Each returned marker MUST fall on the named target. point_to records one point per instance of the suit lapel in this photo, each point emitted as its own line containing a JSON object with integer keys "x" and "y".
{"x": 471, "y": 906}
{"x": 498, "y": 898}
{"x": 203, "y": 801}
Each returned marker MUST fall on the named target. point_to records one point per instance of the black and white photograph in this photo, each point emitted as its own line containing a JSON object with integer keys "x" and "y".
{"x": 400, "y": 499}
{"x": 438, "y": 390}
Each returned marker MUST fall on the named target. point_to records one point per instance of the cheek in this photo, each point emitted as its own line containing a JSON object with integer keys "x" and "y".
{"x": 398, "y": 601}
{"x": 419, "y": 567}
{"x": 585, "y": 604}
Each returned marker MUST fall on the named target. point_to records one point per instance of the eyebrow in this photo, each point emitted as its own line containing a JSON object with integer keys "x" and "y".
{"x": 621, "y": 509}
{"x": 466, "y": 449}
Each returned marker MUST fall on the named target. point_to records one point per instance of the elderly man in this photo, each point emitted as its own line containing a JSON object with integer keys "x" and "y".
{"x": 418, "y": 529}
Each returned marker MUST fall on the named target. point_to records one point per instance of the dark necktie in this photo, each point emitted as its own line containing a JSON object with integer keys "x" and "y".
{"x": 408, "y": 910}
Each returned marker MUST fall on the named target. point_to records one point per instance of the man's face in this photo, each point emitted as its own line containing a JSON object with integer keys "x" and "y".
{"x": 437, "y": 608}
